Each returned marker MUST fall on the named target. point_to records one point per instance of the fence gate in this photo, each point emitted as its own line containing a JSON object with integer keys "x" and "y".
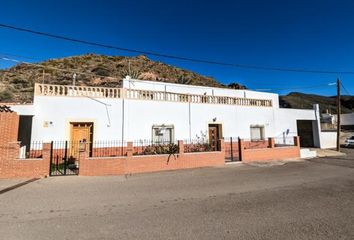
{"x": 232, "y": 153}
{"x": 63, "y": 160}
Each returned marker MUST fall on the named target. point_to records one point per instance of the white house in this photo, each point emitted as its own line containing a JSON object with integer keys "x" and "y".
{"x": 347, "y": 121}
{"x": 161, "y": 111}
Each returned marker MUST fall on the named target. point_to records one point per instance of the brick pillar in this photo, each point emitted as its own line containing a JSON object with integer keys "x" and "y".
{"x": 46, "y": 159}
{"x": 129, "y": 149}
{"x": 180, "y": 147}
{"x": 241, "y": 148}
{"x": 221, "y": 144}
{"x": 10, "y": 152}
{"x": 297, "y": 141}
{"x": 84, "y": 165}
{"x": 13, "y": 151}
{"x": 9, "y": 122}
{"x": 271, "y": 143}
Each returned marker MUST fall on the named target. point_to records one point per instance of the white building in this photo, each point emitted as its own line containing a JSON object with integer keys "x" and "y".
{"x": 162, "y": 111}
{"x": 347, "y": 121}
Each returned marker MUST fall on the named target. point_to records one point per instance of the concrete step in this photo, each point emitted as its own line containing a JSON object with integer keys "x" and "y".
{"x": 306, "y": 153}
{"x": 327, "y": 153}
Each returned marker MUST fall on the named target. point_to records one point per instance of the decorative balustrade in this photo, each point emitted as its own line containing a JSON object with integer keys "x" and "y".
{"x": 102, "y": 92}
{"x": 77, "y": 91}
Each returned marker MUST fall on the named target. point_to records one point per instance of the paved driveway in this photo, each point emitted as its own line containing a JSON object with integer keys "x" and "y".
{"x": 300, "y": 200}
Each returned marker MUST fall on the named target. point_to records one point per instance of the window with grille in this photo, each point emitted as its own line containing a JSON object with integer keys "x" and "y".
{"x": 257, "y": 133}
{"x": 162, "y": 133}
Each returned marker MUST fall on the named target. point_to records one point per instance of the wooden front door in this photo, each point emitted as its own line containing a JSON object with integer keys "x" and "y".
{"x": 214, "y": 136}
{"x": 81, "y": 138}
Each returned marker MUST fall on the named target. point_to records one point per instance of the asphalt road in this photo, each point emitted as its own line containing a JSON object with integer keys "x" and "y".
{"x": 299, "y": 200}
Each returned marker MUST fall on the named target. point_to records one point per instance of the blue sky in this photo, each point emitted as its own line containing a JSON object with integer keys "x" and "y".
{"x": 292, "y": 34}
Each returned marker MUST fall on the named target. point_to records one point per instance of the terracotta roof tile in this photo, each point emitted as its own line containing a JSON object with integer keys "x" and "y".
{"x": 4, "y": 108}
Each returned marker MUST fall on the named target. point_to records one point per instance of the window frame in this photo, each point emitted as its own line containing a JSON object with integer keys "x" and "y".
{"x": 162, "y": 126}
{"x": 262, "y": 132}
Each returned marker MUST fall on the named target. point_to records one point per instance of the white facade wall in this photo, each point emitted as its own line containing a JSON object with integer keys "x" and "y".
{"x": 286, "y": 119}
{"x": 132, "y": 119}
{"x": 328, "y": 139}
{"x": 347, "y": 119}
{"x": 23, "y": 109}
{"x": 52, "y": 117}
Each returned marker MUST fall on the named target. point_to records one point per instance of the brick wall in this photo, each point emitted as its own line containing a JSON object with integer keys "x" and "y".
{"x": 271, "y": 152}
{"x": 12, "y": 167}
{"x": 149, "y": 163}
{"x": 8, "y": 127}
{"x": 256, "y": 144}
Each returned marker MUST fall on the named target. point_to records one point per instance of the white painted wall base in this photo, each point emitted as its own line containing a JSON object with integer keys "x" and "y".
{"x": 306, "y": 153}
{"x": 328, "y": 140}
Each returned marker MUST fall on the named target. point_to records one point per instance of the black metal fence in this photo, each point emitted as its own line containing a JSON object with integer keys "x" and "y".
{"x": 255, "y": 143}
{"x": 148, "y": 147}
{"x": 32, "y": 150}
{"x": 65, "y": 157}
{"x": 109, "y": 148}
{"x": 198, "y": 145}
{"x": 231, "y": 149}
{"x": 284, "y": 141}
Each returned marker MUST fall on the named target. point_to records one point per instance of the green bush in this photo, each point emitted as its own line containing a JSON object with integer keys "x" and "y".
{"x": 6, "y": 95}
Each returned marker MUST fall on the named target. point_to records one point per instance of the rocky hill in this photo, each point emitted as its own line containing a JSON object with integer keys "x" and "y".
{"x": 305, "y": 101}
{"x": 16, "y": 83}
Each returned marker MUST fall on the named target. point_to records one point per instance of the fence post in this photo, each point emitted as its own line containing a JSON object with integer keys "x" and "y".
{"x": 129, "y": 149}
{"x": 84, "y": 165}
{"x": 46, "y": 156}
{"x": 180, "y": 147}
{"x": 271, "y": 143}
{"x": 222, "y": 146}
{"x": 297, "y": 141}
{"x": 232, "y": 152}
{"x": 241, "y": 148}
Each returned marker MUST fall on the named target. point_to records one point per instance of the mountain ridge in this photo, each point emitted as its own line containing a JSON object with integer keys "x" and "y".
{"x": 327, "y": 104}
{"x": 17, "y": 82}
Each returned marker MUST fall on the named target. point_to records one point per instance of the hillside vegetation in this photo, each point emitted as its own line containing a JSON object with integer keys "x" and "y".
{"x": 305, "y": 101}
{"x": 16, "y": 83}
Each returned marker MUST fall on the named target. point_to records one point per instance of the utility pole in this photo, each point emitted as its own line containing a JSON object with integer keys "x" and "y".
{"x": 338, "y": 114}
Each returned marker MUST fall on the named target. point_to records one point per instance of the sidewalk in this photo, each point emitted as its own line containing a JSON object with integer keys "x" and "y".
{"x": 7, "y": 184}
{"x": 327, "y": 152}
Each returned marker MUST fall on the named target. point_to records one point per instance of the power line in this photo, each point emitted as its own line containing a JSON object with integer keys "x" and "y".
{"x": 19, "y": 56}
{"x": 345, "y": 89}
{"x": 297, "y": 88}
{"x": 54, "y": 68}
{"x": 151, "y": 53}
{"x": 95, "y": 75}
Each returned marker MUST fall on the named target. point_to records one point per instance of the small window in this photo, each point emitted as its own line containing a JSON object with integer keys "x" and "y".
{"x": 162, "y": 133}
{"x": 257, "y": 133}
